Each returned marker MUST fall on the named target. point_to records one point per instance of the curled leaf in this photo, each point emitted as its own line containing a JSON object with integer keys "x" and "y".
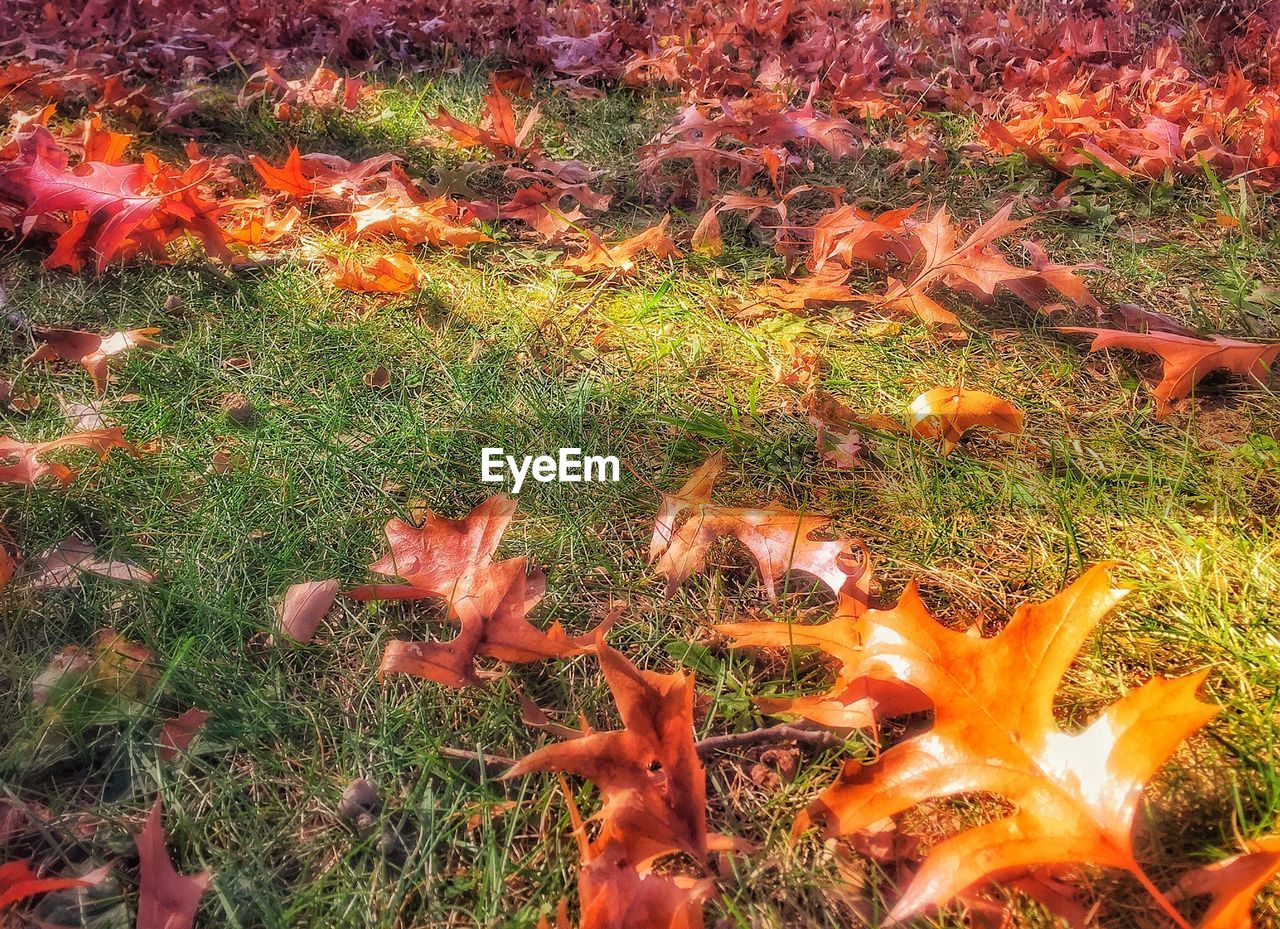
{"x": 949, "y": 412}
{"x": 304, "y": 606}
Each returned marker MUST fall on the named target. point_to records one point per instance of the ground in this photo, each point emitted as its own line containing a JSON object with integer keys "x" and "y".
{"x": 501, "y": 348}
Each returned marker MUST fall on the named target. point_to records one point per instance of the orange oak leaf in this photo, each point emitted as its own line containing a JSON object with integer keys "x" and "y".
{"x": 825, "y": 286}
{"x": 18, "y": 882}
{"x": 502, "y": 138}
{"x": 90, "y": 350}
{"x": 177, "y": 734}
{"x": 261, "y": 226}
{"x": 848, "y": 234}
{"x": 621, "y": 257}
{"x": 318, "y": 175}
{"x": 974, "y": 266}
{"x": 387, "y": 274}
{"x": 400, "y": 209}
{"x": 1076, "y": 795}
{"x": 166, "y": 899}
{"x": 651, "y": 783}
{"x": 25, "y": 464}
{"x": 452, "y": 560}
{"x": 618, "y": 889}
{"x": 304, "y": 606}
{"x": 1232, "y": 884}
{"x": 779, "y": 540}
{"x": 859, "y": 695}
{"x": 1187, "y": 360}
{"x": 948, "y": 412}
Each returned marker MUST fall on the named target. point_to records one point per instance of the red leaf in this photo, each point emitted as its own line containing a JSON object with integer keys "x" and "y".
{"x": 176, "y": 734}
{"x": 166, "y": 899}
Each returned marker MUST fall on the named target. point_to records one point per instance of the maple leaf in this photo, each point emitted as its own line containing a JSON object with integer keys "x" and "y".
{"x": 166, "y": 899}
{"x": 621, "y": 257}
{"x": 1076, "y": 794}
{"x": 652, "y": 785}
{"x": 25, "y": 459}
{"x": 393, "y": 273}
{"x": 779, "y": 540}
{"x": 1232, "y": 884}
{"x": 949, "y": 412}
{"x": 91, "y": 351}
{"x": 452, "y": 560}
{"x": 18, "y": 882}
{"x": 1187, "y": 360}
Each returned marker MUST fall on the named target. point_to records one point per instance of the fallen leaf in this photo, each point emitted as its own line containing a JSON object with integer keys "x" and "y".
{"x": 1076, "y": 794}
{"x": 62, "y": 566}
{"x": 304, "y": 606}
{"x": 622, "y": 256}
{"x": 91, "y": 351}
{"x": 26, "y": 464}
{"x": 83, "y": 416}
{"x": 18, "y": 882}
{"x": 177, "y": 734}
{"x": 949, "y": 412}
{"x": 780, "y": 540}
{"x": 452, "y": 560}
{"x": 166, "y": 899}
{"x": 861, "y": 695}
{"x": 386, "y": 274}
{"x": 651, "y": 782}
{"x": 1187, "y": 360}
{"x": 110, "y": 680}
{"x": 835, "y": 426}
{"x": 1232, "y": 884}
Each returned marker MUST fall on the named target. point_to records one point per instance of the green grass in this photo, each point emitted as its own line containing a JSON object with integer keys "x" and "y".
{"x": 500, "y": 348}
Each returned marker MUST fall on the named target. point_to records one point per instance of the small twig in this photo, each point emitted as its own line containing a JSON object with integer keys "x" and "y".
{"x": 785, "y": 732}
{"x": 489, "y": 762}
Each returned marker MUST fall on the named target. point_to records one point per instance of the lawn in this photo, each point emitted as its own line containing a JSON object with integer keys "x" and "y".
{"x": 267, "y": 458}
